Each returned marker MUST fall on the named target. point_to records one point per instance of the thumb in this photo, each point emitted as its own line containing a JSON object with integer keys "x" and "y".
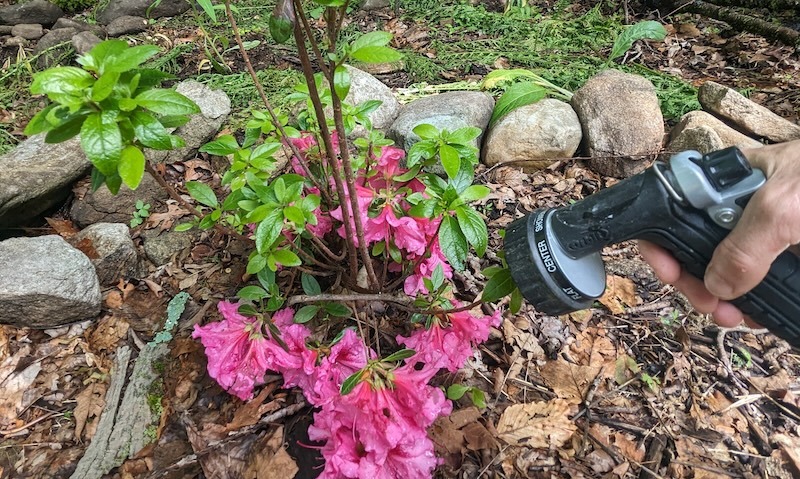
{"x": 769, "y": 225}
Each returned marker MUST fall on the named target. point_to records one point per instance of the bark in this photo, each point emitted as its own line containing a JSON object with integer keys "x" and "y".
{"x": 773, "y": 5}
{"x": 742, "y": 21}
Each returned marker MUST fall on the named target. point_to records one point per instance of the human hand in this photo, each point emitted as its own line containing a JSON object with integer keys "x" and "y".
{"x": 769, "y": 225}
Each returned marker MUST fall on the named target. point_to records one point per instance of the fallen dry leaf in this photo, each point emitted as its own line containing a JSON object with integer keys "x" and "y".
{"x": 14, "y": 383}
{"x": 446, "y": 432}
{"x": 114, "y": 300}
{"x": 569, "y": 381}
{"x": 269, "y": 459}
{"x": 620, "y": 292}
{"x": 64, "y": 228}
{"x": 791, "y": 448}
{"x": 89, "y": 404}
{"x": 108, "y": 332}
{"x": 250, "y": 412}
{"x": 537, "y": 424}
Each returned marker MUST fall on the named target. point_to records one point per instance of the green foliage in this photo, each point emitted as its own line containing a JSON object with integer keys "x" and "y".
{"x": 457, "y": 391}
{"x": 141, "y": 211}
{"x": 639, "y": 31}
{"x": 74, "y": 6}
{"x": 116, "y": 107}
{"x": 517, "y": 95}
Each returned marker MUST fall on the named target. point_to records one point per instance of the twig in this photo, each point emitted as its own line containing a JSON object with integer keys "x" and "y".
{"x": 17, "y": 430}
{"x": 406, "y": 301}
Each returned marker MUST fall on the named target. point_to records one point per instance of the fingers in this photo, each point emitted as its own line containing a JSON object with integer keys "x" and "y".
{"x": 769, "y": 225}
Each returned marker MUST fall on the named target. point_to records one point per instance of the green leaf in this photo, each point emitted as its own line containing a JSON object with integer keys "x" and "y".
{"x": 453, "y": 242}
{"x": 473, "y": 193}
{"x": 149, "y": 131}
{"x": 451, "y": 161}
{"x": 376, "y": 55}
{"x": 39, "y": 124}
{"x": 517, "y": 95}
{"x": 131, "y": 166}
{"x": 456, "y": 391}
{"x": 337, "y": 309}
{"x": 269, "y": 230}
{"x": 166, "y": 102}
{"x": 516, "y": 301}
{"x": 127, "y": 104}
{"x": 310, "y": 284}
{"x": 252, "y": 293}
{"x": 184, "y": 226}
{"x": 372, "y": 39}
{"x": 295, "y": 215}
{"x": 499, "y": 285}
{"x": 341, "y": 82}
{"x": 62, "y": 84}
{"x": 287, "y": 257}
{"x": 202, "y": 193}
{"x": 426, "y": 131}
{"x": 130, "y": 58}
{"x": 224, "y": 145}
{"x": 257, "y": 263}
{"x": 306, "y": 313}
{"x": 66, "y": 129}
{"x": 102, "y": 143}
{"x": 437, "y": 277}
{"x": 104, "y": 85}
{"x": 400, "y": 355}
{"x": 464, "y": 135}
{"x": 208, "y": 7}
{"x": 113, "y": 183}
{"x": 473, "y": 227}
{"x": 351, "y": 382}
{"x": 647, "y": 29}
{"x": 478, "y": 397}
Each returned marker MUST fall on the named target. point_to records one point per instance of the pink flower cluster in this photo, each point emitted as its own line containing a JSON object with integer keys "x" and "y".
{"x": 378, "y": 192}
{"x": 377, "y": 430}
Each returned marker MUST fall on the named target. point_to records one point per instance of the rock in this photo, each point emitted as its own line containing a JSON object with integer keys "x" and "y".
{"x": 139, "y": 8}
{"x": 103, "y": 207}
{"x": 5, "y": 29}
{"x": 28, "y": 31}
{"x": 622, "y": 122}
{"x": 214, "y": 108}
{"x": 535, "y": 134}
{"x": 117, "y": 256}
{"x": 45, "y": 282}
{"x": 126, "y": 24}
{"x": 701, "y": 131}
{"x": 65, "y": 22}
{"x": 35, "y": 11}
{"x": 16, "y": 42}
{"x": 51, "y": 39}
{"x": 160, "y": 247}
{"x": 375, "y": 4}
{"x": 35, "y": 176}
{"x": 84, "y": 41}
{"x": 451, "y": 111}
{"x": 747, "y": 115}
{"x": 363, "y": 87}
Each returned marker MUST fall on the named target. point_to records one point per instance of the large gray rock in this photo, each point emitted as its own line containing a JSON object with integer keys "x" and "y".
{"x": 622, "y": 122}
{"x": 45, "y": 283}
{"x": 139, "y": 8}
{"x": 63, "y": 37}
{"x": 747, "y": 115}
{"x": 126, "y": 24}
{"x": 28, "y": 31}
{"x": 533, "y": 136}
{"x": 79, "y": 26}
{"x": 363, "y": 87}
{"x": 36, "y": 176}
{"x": 161, "y": 246}
{"x": 451, "y": 111}
{"x": 701, "y": 131}
{"x": 214, "y": 109}
{"x": 103, "y": 207}
{"x": 84, "y": 41}
{"x": 35, "y": 11}
{"x": 116, "y": 253}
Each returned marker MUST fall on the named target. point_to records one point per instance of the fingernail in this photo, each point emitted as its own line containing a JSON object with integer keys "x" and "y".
{"x": 718, "y": 285}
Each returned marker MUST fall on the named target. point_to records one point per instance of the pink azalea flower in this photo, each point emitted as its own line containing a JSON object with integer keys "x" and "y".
{"x": 414, "y": 283}
{"x": 449, "y": 346}
{"x": 365, "y": 197}
{"x": 239, "y": 351}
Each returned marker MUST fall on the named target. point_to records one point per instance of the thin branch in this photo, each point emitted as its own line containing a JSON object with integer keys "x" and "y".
{"x": 300, "y": 12}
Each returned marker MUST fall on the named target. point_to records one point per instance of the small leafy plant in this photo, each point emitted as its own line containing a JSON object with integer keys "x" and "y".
{"x": 115, "y": 106}
{"x": 140, "y": 213}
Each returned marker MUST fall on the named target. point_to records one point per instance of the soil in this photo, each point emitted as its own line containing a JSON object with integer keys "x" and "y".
{"x": 649, "y": 388}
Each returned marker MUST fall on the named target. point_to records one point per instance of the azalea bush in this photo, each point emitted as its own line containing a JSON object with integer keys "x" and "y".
{"x": 349, "y": 292}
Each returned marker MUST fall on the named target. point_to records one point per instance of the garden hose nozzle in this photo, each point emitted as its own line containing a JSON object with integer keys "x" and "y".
{"x": 686, "y": 205}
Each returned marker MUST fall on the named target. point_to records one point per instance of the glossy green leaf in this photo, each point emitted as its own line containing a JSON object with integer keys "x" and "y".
{"x": 464, "y": 136}
{"x": 61, "y": 83}
{"x": 295, "y": 215}
{"x": 202, "y": 193}
{"x": 473, "y": 193}
{"x": 131, "y": 166}
{"x": 351, "y": 382}
{"x": 341, "y": 82}
{"x": 269, "y": 229}
{"x": 306, "y": 313}
{"x": 426, "y": 131}
{"x": 517, "y": 95}
{"x": 256, "y": 263}
{"x": 252, "y": 293}
{"x": 149, "y": 131}
{"x": 337, "y": 309}
{"x": 372, "y": 39}
{"x": 208, "y": 8}
{"x": 400, "y": 355}
{"x": 39, "y": 124}
{"x": 287, "y": 257}
{"x": 129, "y": 58}
{"x": 456, "y": 391}
{"x": 166, "y": 102}
{"x": 184, "y": 227}
{"x": 473, "y": 227}
{"x": 310, "y": 284}
{"x": 453, "y": 243}
{"x": 224, "y": 145}
{"x": 647, "y": 29}
{"x": 376, "y": 55}
{"x": 102, "y": 143}
{"x": 66, "y": 129}
{"x": 499, "y": 285}
{"x": 451, "y": 161}
{"x": 104, "y": 85}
